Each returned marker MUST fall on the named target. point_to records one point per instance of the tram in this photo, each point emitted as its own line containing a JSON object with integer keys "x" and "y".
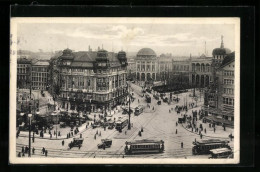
{"x": 139, "y": 110}
{"x": 121, "y": 123}
{"x": 221, "y": 153}
{"x": 144, "y": 146}
{"x": 204, "y": 146}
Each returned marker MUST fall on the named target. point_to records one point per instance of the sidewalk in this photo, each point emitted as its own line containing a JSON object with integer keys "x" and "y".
{"x": 63, "y": 136}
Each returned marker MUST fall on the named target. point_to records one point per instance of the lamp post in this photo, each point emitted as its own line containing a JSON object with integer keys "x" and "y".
{"x": 129, "y": 113}
{"x": 29, "y": 153}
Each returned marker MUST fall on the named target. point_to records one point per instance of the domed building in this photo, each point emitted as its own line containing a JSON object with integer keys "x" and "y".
{"x": 219, "y": 54}
{"x": 146, "y": 64}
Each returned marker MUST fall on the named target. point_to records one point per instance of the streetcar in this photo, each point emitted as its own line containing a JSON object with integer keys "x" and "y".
{"x": 139, "y": 110}
{"x": 121, "y": 123}
{"x": 221, "y": 153}
{"x": 148, "y": 98}
{"x": 204, "y": 146}
{"x": 144, "y": 146}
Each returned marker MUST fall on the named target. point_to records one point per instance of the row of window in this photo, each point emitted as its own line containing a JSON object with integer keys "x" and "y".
{"x": 21, "y": 70}
{"x": 228, "y": 73}
{"x": 145, "y": 146}
{"x": 229, "y": 91}
{"x": 39, "y": 69}
{"x": 39, "y": 79}
{"x": 228, "y": 81}
{"x": 228, "y": 101}
{"x": 181, "y": 67}
{"x": 38, "y": 84}
{"x": 39, "y": 74}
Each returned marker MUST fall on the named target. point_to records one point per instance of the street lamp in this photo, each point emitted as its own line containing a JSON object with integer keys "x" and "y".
{"x": 129, "y": 113}
{"x": 29, "y": 153}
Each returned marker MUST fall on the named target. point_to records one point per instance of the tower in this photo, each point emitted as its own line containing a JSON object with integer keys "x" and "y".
{"x": 222, "y": 43}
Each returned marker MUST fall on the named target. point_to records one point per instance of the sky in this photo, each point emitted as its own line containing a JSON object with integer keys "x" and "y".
{"x": 178, "y": 39}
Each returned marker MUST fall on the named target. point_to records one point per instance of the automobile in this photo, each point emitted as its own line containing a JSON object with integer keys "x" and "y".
{"x": 159, "y": 102}
{"x": 106, "y": 143}
{"x": 95, "y": 126}
{"x": 62, "y": 124}
{"x": 181, "y": 120}
{"x": 165, "y": 99}
{"x": 77, "y": 142}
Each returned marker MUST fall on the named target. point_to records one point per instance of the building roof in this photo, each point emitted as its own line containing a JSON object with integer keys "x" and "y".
{"x": 146, "y": 52}
{"x": 41, "y": 63}
{"x": 23, "y": 61}
{"x": 228, "y": 59}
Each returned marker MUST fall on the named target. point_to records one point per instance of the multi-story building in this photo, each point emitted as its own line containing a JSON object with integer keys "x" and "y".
{"x": 39, "y": 75}
{"x": 200, "y": 71}
{"x": 23, "y": 73}
{"x": 225, "y": 89}
{"x": 146, "y": 65}
{"x": 149, "y": 67}
{"x": 164, "y": 67}
{"x": 92, "y": 80}
{"x": 219, "y": 98}
{"x": 180, "y": 73}
{"x": 131, "y": 68}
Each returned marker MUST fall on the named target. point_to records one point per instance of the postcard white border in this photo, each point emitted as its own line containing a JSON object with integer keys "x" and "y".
{"x": 13, "y": 159}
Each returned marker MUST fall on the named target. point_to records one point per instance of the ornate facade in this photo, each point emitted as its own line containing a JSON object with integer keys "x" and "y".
{"x": 92, "y": 81}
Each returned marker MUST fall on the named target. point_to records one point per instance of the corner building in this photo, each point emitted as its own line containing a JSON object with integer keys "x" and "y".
{"x": 92, "y": 81}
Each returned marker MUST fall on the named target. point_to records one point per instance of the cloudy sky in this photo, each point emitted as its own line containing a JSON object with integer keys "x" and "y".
{"x": 178, "y": 39}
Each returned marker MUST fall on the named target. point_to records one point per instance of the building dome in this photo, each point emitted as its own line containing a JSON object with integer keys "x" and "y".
{"x": 102, "y": 55}
{"x": 146, "y": 52}
{"x": 67, "y": 54}
{"x": 121, "y": 55}
{"x": 221, "y": 51}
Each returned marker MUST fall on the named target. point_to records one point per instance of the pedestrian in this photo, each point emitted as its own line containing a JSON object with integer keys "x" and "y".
{"x": 200, "y": 136}
{"x": 192, "y": 129}
{"x": 181, "y": 144}
{"x": 195, "y": 140}
{"x": 19, "y": 154}
{"x": 100, "y": 133}
{"x": 23, "y": 154}
{"x": 50, "y": 135}
{"x": 125, "y": 132}
{"x": 23, "y": 149}
{"x": 33, "y": 150}
{"x": 224, "y": 128}
{"x": 59, "y": 133}
{"x": 97, "y": 132}
{"x": 33, "y": 139}
{"x": 26, "y": 149}
{"x": 43, "y": 150}
{"x": 214, "y": 129}
{"x": 95, "y": 136}
{"x": 176, "y": 124}
{"x": 46, "y": 153}
{"x": 79, "y": 146}
{"x": 62, "y": 143}
{"x": 176, "y": 131}
{"x": 205, "y": 130}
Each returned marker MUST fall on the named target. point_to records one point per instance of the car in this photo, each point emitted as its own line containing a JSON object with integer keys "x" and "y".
{"x": 106, "y": 143}
{"x": 159, "y": 102}
{"x": 77, "y": 142}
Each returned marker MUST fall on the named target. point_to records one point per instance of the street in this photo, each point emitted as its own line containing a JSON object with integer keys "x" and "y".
{"x": 158, "y": 124}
